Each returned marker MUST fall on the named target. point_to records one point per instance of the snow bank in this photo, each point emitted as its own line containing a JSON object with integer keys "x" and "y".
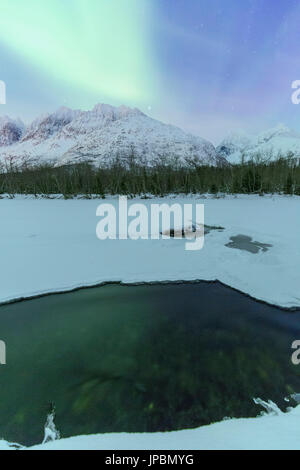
{"x": 51, "y": 245}
{"x": 272, "y": 431}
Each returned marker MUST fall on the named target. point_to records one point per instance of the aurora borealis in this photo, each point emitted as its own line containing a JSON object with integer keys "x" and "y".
{"x": 207, "y": 66}
{"x": 97, "y": 46}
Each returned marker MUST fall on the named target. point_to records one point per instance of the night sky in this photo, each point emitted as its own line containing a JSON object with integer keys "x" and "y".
{"x": 209, "y": 66}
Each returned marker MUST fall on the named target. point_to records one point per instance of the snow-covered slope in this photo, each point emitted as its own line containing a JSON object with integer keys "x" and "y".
{"x": 10, "y": 131}
{"x": 273, "y": 430}
{"x": 269, "y": 145}
{"x": 106, "y": 133}
{"x": 46, "y": 126}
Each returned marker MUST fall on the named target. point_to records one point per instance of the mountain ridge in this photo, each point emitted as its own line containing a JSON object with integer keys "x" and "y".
{"x": 266, "y": 146}
{"x": 103, "y": 134}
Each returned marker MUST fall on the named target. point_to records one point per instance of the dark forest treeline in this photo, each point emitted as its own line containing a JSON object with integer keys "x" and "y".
{"x": 281, "y": 176}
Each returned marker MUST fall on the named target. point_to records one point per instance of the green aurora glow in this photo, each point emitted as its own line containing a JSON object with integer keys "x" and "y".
{"x": 96, "y": 46}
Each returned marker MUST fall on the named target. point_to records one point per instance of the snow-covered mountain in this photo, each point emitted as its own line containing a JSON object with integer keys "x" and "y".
{"x": 103, "y": 134}
{"x": 266, "y": 146}
{"x": 10, "y": 131}
{"x": 49, "y": 125}
{"x": 106, "y": 132}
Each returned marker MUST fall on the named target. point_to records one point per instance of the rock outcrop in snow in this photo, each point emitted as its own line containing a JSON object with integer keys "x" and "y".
{"x": 10, "y": 131}
{"x": 104, "y": 134}
{"x": 266, "y": 146}
{"x": 49, "y": 125}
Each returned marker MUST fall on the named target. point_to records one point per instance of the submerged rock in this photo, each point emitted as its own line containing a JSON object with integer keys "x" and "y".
{"x": 191, "y": 231}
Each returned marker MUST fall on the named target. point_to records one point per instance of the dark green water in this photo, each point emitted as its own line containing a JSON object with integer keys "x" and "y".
{"x": 141, "y": 358}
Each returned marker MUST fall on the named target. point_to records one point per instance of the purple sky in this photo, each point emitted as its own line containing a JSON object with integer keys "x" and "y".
{"x": 212, "y": 65}
{"x": 231, "y": 63}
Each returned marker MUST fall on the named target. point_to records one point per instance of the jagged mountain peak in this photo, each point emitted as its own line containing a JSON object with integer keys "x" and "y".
{"x": 234, "y": 142}
{"x": 279, "y": 141}
{"x": 11, "y": 130}
{"x": 107, "y": 132}
{"x": 47, "y": 125}
{"x": 279, "y": 130}
{"x": 6, "y": 119}
{"x": 115, "y": 111}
